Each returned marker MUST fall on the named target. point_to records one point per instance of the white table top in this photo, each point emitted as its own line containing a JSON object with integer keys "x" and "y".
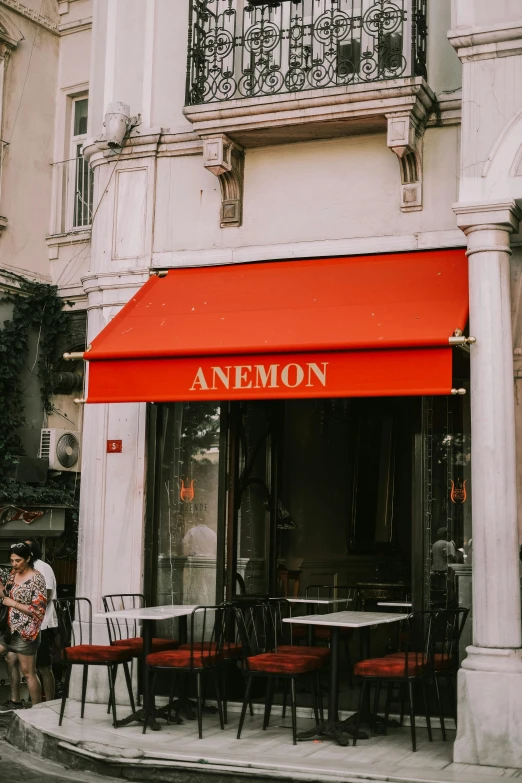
{"x": 395, "y": 603}
{"x": 150, "y": 612}
{"x": 347, "y": 619}
{"x": 327, "y": 601}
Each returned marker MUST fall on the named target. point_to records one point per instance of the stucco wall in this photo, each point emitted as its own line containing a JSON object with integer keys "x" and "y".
{"x": 28, "y": 126}
{"x": 70, "y": 254}
{"x": 484, "y": 13}
{"x": 309, "y": 191}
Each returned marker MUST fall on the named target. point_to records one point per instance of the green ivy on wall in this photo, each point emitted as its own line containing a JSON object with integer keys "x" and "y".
{"x": 36, "y": 308}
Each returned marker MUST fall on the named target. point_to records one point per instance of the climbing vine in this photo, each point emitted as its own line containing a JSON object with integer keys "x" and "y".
{"x": 36, "y": 309}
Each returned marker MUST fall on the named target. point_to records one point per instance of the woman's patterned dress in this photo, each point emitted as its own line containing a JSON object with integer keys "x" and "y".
{"x": 31, "y": 593}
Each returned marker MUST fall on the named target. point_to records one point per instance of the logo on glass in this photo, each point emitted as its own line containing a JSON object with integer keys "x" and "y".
{"x": 187, "y": 493}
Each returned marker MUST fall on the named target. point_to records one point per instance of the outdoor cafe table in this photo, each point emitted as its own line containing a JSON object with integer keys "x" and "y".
{"x": 310, "y": 602}
{"x": 341, "y": 730}
{"x": 314, "y": 601}
{"x": 149, "y": 615}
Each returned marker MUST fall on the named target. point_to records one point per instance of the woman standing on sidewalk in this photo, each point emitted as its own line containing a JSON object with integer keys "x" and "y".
{"x": 23, "y": 591}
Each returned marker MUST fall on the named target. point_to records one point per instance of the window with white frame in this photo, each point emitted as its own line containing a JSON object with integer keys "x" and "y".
{"x": 80, "y": 175}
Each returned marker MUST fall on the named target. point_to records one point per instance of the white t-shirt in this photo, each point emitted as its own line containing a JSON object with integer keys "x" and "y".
{"x": 50, "y": 620}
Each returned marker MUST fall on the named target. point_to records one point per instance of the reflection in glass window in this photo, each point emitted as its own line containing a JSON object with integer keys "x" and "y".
{"x": 449, "y": 542}
{"x": 187, "y": 503}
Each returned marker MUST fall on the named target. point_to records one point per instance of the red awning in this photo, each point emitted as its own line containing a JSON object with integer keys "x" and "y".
{"x": 330, "y": 327}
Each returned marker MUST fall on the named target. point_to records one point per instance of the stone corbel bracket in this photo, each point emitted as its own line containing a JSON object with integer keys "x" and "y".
{"x": 224, "y": 158}
{"x": 405, "y": 134}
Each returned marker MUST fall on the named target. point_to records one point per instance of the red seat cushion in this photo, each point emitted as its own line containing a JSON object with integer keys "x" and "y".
{"x": 390, "y": 666}
{"x": 230, "y": 649}
{"x": 97, "y": 653}
{"x": 276, "y": 663}
{"x": 289, "y": 649}
{"x": 181, "y": 659}
{"x": 136, "y": 645}
{"x": 441, "y": 662}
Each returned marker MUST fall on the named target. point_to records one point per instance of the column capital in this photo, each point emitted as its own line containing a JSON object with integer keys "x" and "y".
{"x": 493, "y": 215}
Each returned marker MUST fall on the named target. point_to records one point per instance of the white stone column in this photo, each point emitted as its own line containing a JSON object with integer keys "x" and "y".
{"x": 490, "y": 681}
{"x": 112, "y": 503}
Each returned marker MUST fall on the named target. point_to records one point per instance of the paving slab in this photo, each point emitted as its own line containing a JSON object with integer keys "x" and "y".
{"x": 95, "y": 744}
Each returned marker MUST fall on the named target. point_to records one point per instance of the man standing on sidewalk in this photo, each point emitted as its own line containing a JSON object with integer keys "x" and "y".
{"x": 44, "y": 656}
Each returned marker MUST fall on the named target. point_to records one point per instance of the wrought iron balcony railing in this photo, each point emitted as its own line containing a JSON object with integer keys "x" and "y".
{"x": 251, "y": 48}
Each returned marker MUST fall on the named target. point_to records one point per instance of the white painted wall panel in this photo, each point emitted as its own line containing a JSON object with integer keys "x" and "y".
{"x": 130, "y": 213}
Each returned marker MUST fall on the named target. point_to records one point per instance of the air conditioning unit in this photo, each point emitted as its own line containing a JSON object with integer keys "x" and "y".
{"x": 62, "y": 448}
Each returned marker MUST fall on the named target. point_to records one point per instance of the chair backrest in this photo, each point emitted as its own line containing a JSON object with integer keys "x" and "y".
{"x": 284, "y": 631}
{"x": 348, "y": 594}
{"x": 122, "y": 627}
{"x": 446, "y": 629}
{"x": 257, "y": 627}
{"x": 432, "y": 638}
{"x": 74, "y": 621}
{"x": 206, "y": 629}
{"x": 227, "y": 636}
{"x": 415, "y": 641}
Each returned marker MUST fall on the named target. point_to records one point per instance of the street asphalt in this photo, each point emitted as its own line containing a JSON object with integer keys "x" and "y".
{"x": 18, "y": 767}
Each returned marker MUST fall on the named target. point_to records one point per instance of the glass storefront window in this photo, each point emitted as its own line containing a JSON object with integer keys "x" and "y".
{"x": 254, "y": 485}
{"x": 187, "y": 485}
{"x": 447, "y": 501}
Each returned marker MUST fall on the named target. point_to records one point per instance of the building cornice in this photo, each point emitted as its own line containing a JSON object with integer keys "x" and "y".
{"x": 56, "y": 241}
{"x": 178, "y": 142}
{"x": 349, "y": 246}
{"x": 8, "y": 275}
{"x": 68, "y": 28}
{"x": 485, "y": 43}
{"x": 33, "y": 16}
{"x": 447, "y": 110}
{"x": 113, "y": 281}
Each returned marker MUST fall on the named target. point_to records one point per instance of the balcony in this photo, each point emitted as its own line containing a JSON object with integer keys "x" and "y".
{"x": 264, "y": 72}
{"x": 262, "y": 48}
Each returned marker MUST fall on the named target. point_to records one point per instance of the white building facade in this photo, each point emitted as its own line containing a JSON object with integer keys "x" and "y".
{"x": 408, "y": 139}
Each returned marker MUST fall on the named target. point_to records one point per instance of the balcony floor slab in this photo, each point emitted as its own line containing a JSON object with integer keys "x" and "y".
{"x": 314, "y": 114}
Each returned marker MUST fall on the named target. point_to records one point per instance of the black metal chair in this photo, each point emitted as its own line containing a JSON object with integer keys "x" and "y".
{"x": 413, "y": 665}
{"x": 446, "y": 655}
{"x": 447, "y": 626}
{"x": 125, "y": 632}
{"x": 75, "y": 628}
{"x": 263, "y": 658}
{"x": 201, "y": 655}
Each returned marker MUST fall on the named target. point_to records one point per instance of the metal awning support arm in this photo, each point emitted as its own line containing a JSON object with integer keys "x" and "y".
{"x": 458, "y": 338}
